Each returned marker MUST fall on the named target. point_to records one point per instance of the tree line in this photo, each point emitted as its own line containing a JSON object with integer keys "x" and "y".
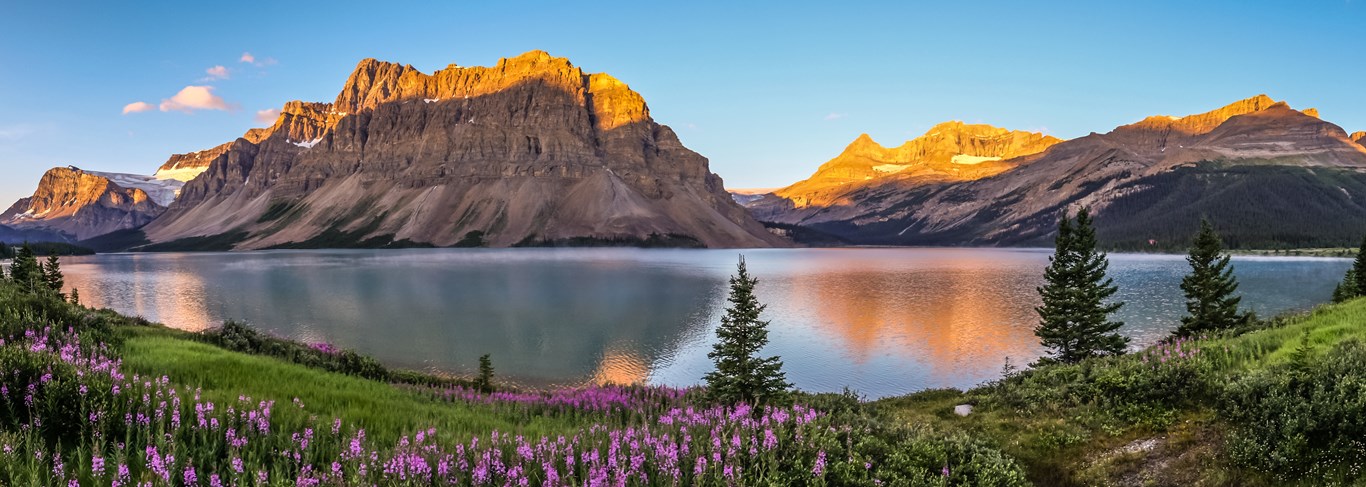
{"x": 30, "y": 274}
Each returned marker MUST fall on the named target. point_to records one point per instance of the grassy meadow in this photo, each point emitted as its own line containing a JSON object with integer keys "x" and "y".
{"x": 91, "y": 397}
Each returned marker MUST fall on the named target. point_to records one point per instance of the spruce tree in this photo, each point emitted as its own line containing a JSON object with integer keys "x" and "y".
{"x": 75, "y": 296}
{"x": 1074, "y": 319}
{"x": 1359, "y": 266}
{"x": 24, "y": 270}
{"x": 741, "y": 376}
{"x": 1210, "y": 286}
{"x": 1347, "y": 289}
{"x": 485, "y": 380}
{"x": 52, "y": 275}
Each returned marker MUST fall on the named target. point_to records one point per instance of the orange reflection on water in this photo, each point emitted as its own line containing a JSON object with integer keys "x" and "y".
{"x": 182, "y": 308}
{"x": 946, "y": 313}
{"x": 620, "y": 366}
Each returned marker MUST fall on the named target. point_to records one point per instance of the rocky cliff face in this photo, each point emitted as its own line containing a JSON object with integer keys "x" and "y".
{"x": 531, "y": 150}
{"x": 1359, "y": 137}
{"x": 1161, "y": 174}
{"x": 78, "y": 205}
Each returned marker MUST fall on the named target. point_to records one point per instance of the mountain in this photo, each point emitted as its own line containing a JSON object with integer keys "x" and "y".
{"x": 531, "y": 151}
{"x": 948, "y": 152}
{"x": 76, "y": 204}
{"x": 1267, "y": 174}
{"x": 744, "y": 196}
{"x": 14, "y": 236}
{"x": 1359, "y": 137}
{"x": 184, "y": 167}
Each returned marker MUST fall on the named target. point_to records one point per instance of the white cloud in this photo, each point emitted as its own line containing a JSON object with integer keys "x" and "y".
{"x": 268, "y": 115}
{"x": 217, "y": 72}
{"x": 251, "y": 59}
{"x": 835, "y": 116}
{"x": 137, "y": 106}
{"x": 193, "y": 98}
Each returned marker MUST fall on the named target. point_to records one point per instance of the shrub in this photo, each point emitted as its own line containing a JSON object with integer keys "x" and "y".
{"x": 1302, "y": 422}
{"x": 241, "y": 338}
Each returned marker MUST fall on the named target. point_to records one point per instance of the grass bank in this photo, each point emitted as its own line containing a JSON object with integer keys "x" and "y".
{"x": 1277, "y": 405}
{"x": 384, "y": 410}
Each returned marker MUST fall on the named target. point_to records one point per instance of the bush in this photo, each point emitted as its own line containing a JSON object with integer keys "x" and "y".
{"x": 871, "y": 445}
{"x": 241, "y": 338}
{"x": 1142, "y": 389}
{"x": 1302, "y": 422}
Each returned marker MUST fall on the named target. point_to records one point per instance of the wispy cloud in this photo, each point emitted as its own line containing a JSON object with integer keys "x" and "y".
{"x": 251, "y": 59}
{"x": 193, "y": 98}
{"x": 137, "y": 107}
{"x": 268, "y": 115}
{"x": 17, "y": 131}
{"x": 217, "y": 72}
{"x": 835, "y": 116}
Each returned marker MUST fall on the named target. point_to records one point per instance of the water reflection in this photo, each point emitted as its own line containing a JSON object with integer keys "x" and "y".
{"x": 882, "y": 321}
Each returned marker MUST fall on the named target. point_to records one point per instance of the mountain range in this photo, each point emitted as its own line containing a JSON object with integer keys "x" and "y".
{"x": 1266, "y": 174}
{"x": 534, "y": 151}
{"x": 531, "y": 151}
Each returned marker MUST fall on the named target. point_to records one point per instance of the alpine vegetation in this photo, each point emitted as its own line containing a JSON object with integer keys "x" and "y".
{"x": 741, "y": 376}
{"x": 1211, "y": 302}
{"x": 1075, "y": 315}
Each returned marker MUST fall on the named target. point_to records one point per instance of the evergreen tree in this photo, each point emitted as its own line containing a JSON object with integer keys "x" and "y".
{"x": 485, "y": 380}
{"x": 1074, "y": 318}
{"x": 1210, "y": 286}
{"x": 1347, "y": 289}
{"x": 24, "y": 270}
{"x": 52, "y": 275}
{"x": 741, "y": 375}
{"x": 1359, "y": 266}
{"x": 75, "y": 297}
{"x": 4, "y": 251}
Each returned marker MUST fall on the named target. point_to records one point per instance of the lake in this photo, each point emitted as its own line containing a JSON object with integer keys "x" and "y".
{"x": 880, "y": 321}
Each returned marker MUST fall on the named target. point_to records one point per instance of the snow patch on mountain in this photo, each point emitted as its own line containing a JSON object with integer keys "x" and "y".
{"x": 967, "y": 159}
{"x": 162, "y": 191}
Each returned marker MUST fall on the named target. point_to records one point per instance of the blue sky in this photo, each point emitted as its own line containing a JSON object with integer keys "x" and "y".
{"x": 767, "y": 91}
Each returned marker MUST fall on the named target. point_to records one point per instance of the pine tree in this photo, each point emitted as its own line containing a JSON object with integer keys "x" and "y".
{"x": 1347, "y": 289}
{"x": 1359, "y": 268}
{"x": 1210, "y": 300}
{"x": 24, "y": 270}
{"x": 52, "y": 275}
{"x": 741, "y": 376}
{"x": 485, "y": 380}
{"x": 75, "y": 296}
{"x": 1074, "y": 318}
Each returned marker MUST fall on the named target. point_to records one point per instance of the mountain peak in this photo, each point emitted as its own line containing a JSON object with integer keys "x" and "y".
{"x": 82, "y": 204}
{"x": 429, "y": 156}
{"x": 1204, "y": 122}
{"x": 863, "y": 140}
{"x": 1359, "y": 137}
{"x": 1240, "y": 107}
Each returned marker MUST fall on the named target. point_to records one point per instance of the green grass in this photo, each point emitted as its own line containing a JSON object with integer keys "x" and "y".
{"x": 1067, "y": 431}
{"x": 384, "y": 410}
